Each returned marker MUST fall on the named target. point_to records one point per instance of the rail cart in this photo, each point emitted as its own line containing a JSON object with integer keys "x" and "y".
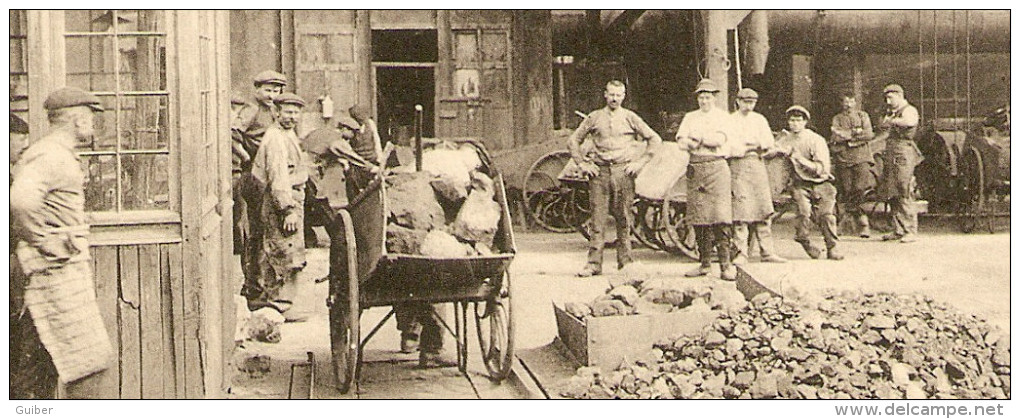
{"x": 476, "y": 285}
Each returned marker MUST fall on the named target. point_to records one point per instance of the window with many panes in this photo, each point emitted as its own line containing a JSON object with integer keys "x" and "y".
{"x": 18, "y": 81}
{"x": 120, "y": 56}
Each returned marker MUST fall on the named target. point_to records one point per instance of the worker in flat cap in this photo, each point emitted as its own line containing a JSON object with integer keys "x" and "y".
{"x": 899, "y": 127}
{"x": 280, "y": 170}
{"x": 706, "y": 133}
{"x": 57, "y": 333}
{"x": 852, "y": 159}
{"x": 752, "y": 195}
{"x": 812, "y": 184}
{"x": 366, "y": 141}
{"x": 254, "y": 116}
{"x": 623, "y": 144}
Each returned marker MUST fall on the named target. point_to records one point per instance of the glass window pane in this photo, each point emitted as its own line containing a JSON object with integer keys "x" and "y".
{"x": 105, "y": 123}
{"x": 143, "y": 122}
{"x": 145, "y": 179}
{"x": 494, "y": 47}
{"x": 90, "y": 63}
{"x": 467, "y": 49}
{"x": 88, "y": 20}
{"x": 100, "y": 182}
{"x": 140, "y": 21}
{"x": 142, "y": 63}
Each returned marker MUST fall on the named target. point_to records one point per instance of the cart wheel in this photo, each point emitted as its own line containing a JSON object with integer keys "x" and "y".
{"x": 496, "y": 334}
{"x": 678, "y": 236}
{"x": 345, "y": 316}
{"x": 972, "y": 193}
{"x": 646, "y": 220}
{"x": 542, "y": 177}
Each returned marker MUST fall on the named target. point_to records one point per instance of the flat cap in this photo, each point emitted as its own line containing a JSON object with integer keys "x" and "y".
{"x": 270, "y": 77}
{"x": 69, "y": 97}
{"x": 238, "y": 98}
{"x": 346, "y": 121}
{"x": 288, "y": 98}
{"x": 358, "y": 112}
{"x": 706, "y": 85}
{"x": 893, "y": 88}
{"x": 799, "y": 109}
{"x": 747, "y": 93}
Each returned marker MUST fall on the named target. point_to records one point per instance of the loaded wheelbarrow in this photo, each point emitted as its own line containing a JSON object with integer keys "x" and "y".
{"x": 478, "y": 286}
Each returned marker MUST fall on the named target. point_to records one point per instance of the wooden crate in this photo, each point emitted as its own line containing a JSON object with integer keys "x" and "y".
{"x": 606, "y": 341}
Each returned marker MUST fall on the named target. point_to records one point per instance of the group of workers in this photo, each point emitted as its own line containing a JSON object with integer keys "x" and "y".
{"x": 729, "y": 196}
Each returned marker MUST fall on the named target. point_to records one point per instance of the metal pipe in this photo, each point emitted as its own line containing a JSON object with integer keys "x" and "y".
{"x": 418, "y": 112}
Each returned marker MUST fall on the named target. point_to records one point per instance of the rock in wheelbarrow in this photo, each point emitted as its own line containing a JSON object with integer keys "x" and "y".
{"x": 478, "y": 219}
{"x": 404, "y": 240}
{"x": 440, "y": 244}
{"x": 412, "y": 202}
{"x": 452, "y": 167}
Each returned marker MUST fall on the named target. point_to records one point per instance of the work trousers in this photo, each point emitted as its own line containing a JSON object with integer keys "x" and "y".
{"x": 713, "y": 236}
{"x": 33, "y": 374}
{"x": 816, "y": 202}
{"x": 758, "y": 231}
{"x": 415, "y": 320}
{"x": 611, "y": 193}
{"x": 904, "y": 215}
{"x": 853, "y": 182}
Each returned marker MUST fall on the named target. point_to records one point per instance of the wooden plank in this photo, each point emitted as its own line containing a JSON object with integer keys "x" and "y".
{"x": 177, "y": 310}
{"x": 151, "y": 322}
{"x": 105, "y": 273}
{"x": 167, "y": 320}
{"x": 130, "y": 346}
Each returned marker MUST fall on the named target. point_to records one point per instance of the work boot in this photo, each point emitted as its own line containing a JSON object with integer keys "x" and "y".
{"x": 740, "y": 260}
{"x": 701, "y": 270}
{"x": 589, "y": 271}
{"x": 812, "y": 251}
{"x": 773, "y": 259}
{"x": 891, "y": 237}
{"x": 908, "y": 238}
{"x": 728, "y": 272}
{"x": 834, "y": 254}
{"x": 865, "y": 232}
{"x": 862, "y": 220}
{"x": 434, "y": 359}
{"x": 408, "y": 343}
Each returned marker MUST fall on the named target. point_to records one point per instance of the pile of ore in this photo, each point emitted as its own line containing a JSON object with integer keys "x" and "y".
{"x": 844, "y": 346}
{"x": 446, "y": 210}
{"x": 640, "y": 297}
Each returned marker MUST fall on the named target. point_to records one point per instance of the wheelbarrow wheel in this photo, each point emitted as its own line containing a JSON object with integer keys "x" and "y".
{"x": 496, "y": 334}
{"x": 678, "y": 235}
{"x": 345, "y": 316}
{"x": 541, "y": 186}
{"x": 972, "y": 190}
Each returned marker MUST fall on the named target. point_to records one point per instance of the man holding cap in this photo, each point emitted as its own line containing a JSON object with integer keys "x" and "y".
{"x": 280, "y": 170}
{"x": 852, "y": 158}
{"x": 56, "y": 330}
{"x": 899, "y": 126}
{"x": 812, "y": 187}
{"x": 706, "y": 134}
{"x": 247, "y": 129}
{"x": 752, "y": 195}
{"x": 615, "y": 132}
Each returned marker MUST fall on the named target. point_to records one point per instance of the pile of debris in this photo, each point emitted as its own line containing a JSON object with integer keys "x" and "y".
{"x": 847, "y": 345}
{"x": 636, "y": 296}
{"x": 446, "y": 210}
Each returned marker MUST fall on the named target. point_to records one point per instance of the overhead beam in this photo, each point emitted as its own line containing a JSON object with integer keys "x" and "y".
{"x": 623, "y": 21}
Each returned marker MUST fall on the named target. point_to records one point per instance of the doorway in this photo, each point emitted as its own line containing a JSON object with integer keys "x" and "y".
{"x": 398, "y": 90}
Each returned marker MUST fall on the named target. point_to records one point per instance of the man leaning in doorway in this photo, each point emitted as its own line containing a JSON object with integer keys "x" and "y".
{"x": 249, "y": 125}
{"x": 705, "y": 133}
{"x": 852, "y": 159}
{"x": 899, "y": 126}
{"x": 280, "y": 170}
{"x": 616, "y": 133}
{"x": 57, "y": 333}
{"x": 752, "y": 195}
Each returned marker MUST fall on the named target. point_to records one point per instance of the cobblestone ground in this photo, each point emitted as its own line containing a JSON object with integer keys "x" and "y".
{"x": 969, "y": 271}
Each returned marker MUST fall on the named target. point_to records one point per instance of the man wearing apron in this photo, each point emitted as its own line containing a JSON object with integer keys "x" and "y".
{"x": 615, "y": 132}
{"x": 901, "y": 156}
{"x": 705, "y": 133}
{"x": 57, "y": 333}
{"x": 812, "y": 187}
{"x": 752, "y": 195}
{"x": 852, "y": 159}
{"x": 280, "y": 170}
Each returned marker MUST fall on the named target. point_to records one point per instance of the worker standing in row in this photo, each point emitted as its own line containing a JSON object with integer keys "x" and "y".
{"x": 899, "y": 127}
{"x": 752, "y": 195}
{"x": 705, "y": 133}
{"x": 852, "y": 159}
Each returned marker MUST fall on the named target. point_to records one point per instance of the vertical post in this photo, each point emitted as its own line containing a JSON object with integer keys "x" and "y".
{"x": 418, "y": 112}
{"x": 715, "y": 53}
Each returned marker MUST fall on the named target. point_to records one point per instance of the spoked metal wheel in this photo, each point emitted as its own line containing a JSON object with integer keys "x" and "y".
{"x": 677, "y": 236}
{"x": 543, "y": 192}
{"x": 495, "y": 329}
{"x": 345, "y": 316}
{"x": 647, "y": 222}
{"x": 971, "y": 206}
